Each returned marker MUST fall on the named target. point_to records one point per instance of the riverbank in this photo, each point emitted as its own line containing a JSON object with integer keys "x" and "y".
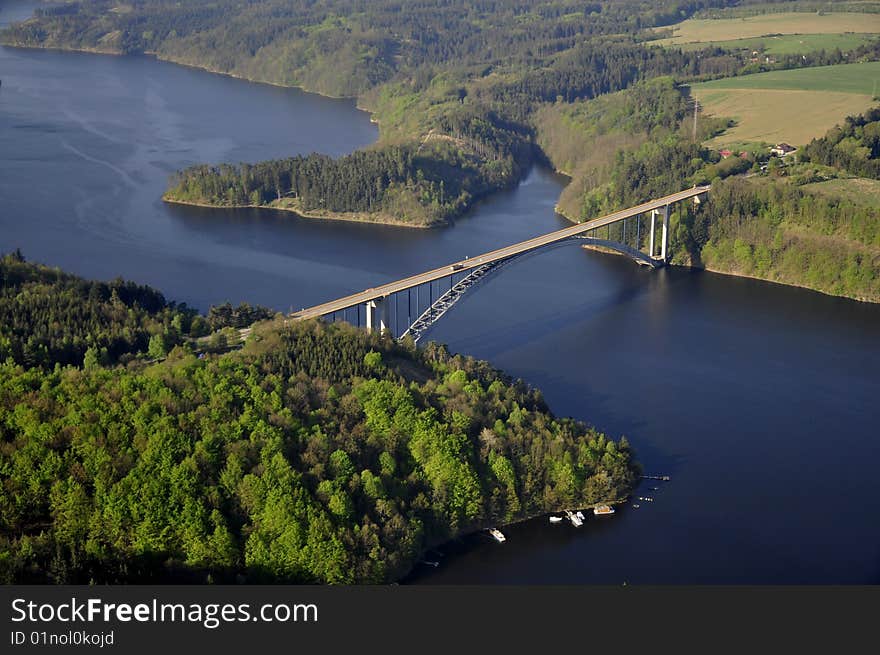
{"x": 802, "y": 251}
{"x": 709, "y": 269}
{"x": 353, "y": 217}
{"x": 718, "y": 271}
{"x": 462, "y": 542}
{"x": 195, "y": 66}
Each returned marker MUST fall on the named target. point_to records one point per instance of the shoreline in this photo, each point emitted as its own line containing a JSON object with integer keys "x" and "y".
{"x": 330, "y": 216}
{"x": 471, "y": 533}
{"x": 779, "y": 282}
{"x": 727, "y": 273}
{"x": 607, "y": 251}
{"x": 177, "y": 62}
{"x": 214, "y": 71}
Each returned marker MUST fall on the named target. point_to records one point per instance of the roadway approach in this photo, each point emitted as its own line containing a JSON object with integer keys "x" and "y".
{"x": 374, "y": 299}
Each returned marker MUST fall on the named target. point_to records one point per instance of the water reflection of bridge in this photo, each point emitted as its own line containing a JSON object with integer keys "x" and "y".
{"x": 428, "y": 296}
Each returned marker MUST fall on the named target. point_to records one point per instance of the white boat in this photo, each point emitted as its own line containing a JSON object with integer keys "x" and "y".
{"x": 579, "y": 514}
{"x": 497, "y": 535}
{"x": 575, "y": 521}
{"x": 555, "y": 519}
{"x": 599, "y": 510}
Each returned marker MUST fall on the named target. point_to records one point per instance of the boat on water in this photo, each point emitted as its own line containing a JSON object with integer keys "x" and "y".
{"x": 579, "y": 514}
{"x": 497, "y": 535}
{"x": 636, "y": 505}
{"x": 575, "y": 521}
{"x": 600, "y": 510}
{"x": 555, "y": 519}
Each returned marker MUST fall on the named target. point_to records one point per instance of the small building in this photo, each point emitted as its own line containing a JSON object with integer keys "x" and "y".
{"x": 725, "y": 153}
{"x": 782, "y": 149}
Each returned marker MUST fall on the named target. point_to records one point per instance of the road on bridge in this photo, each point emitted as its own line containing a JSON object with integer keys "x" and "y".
{"x": 495, "y": 255}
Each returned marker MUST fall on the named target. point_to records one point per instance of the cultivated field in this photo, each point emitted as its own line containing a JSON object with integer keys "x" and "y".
{"x": 794, "y": 106}
{"x": 788, "y": 44}
{"x": 728, "y": 29}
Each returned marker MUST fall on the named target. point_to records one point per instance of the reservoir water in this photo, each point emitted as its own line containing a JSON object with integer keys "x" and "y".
{"x": 760, "y": 401}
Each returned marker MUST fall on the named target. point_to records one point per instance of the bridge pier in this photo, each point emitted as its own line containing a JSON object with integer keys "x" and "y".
{"x": 664, "y": 246}
{"x": 664, "y": 238}
{"x": 378, "y": 314}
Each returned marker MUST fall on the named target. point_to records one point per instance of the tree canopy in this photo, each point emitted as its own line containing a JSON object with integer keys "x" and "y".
{"x": 317, "y": 453}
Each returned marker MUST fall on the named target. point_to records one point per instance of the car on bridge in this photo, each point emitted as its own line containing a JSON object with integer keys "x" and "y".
{"x": 456, "y": 267}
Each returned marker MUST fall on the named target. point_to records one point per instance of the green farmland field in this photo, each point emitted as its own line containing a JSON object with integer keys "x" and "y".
{"x": 788, "y": 44}
{"x": 844, "y": 78}
{"x": 793, "y": 106}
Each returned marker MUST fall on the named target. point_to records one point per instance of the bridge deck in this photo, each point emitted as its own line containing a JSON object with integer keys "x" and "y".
{"x": 494, "y": 255}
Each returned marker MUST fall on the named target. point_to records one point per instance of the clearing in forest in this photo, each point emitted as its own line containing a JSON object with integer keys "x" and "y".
{"x": 794, "y": 106}
{"x": 859, "y": 190}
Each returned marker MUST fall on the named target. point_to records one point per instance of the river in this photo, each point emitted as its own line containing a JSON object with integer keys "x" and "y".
{"x": 760, "y": 401}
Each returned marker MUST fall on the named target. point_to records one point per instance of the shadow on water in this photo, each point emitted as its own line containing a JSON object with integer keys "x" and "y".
{"x": 527, "y": 329}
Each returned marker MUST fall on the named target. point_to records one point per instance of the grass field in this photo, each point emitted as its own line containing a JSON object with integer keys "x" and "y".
{"x": 857, "y": 189}
{"x": 789, "y": 44}
{"x": 844, "y": 78}
{"x": 794, "y": 106}
{"x": 728, "y": 29}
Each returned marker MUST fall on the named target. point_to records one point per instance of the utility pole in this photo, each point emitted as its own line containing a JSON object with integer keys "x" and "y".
{"x": 696, "y": 105}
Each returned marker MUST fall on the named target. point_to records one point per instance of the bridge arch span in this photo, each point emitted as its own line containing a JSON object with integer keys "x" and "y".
{"x": 465, "y": 274}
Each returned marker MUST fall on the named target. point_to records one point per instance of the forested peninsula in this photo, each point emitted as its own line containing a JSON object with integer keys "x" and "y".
{"x": 412, "y": 184}
{"x": 133, "y": 450}
{"x": 469, "y": 94}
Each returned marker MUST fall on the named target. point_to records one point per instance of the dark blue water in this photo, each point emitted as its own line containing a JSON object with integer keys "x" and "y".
{"x": 760, "y": 401}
